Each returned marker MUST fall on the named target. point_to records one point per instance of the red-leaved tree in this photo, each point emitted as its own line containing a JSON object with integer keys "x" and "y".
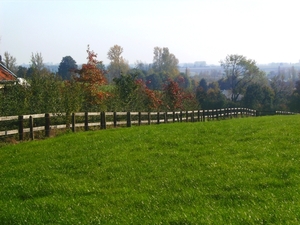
{"x": 175, "y": 98}
{"x": 91, "y": 78}
{"x": 151, "y": 99}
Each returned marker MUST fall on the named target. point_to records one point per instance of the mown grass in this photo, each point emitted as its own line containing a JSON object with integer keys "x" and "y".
{"x": 240, "y": 171}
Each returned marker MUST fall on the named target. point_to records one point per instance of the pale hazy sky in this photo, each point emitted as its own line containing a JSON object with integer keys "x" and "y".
{"x": 193, "y": 30}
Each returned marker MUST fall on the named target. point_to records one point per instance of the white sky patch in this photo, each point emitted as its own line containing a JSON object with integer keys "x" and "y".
{"x": 199, "y": 30}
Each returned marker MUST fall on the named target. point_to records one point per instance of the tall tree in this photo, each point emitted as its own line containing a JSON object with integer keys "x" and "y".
{"x": 165, "y": 62}
{"x": 10, "y": 62}
{"x": 37, "y": 61}
{"x": 91, "y": 78}
{"x": 240, "y": 72}
{"x": 67, "y": 67}
{"x": 118, "y": 65}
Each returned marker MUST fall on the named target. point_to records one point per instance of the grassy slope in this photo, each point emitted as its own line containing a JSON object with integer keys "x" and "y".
{"x": 240, "y": 171}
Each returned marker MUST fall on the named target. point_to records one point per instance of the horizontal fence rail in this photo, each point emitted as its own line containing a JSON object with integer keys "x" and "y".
{"x": 30, "y": 125}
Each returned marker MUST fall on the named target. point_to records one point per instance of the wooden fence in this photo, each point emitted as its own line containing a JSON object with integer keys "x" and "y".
{"x": 29, "y": 125}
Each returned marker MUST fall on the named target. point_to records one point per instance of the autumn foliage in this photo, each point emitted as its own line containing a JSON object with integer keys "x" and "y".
{"x": 175, "y": 98}
{"x": 91, "y": 78}
{"x": 152, "y": 99}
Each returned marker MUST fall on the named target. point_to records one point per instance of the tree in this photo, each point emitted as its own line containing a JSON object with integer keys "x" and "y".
{"x": 240, "y": 72}
{"x": 91, "y": 78}
{"x": 174, "y": 97}
{"x": 283, "y": 89}
{"x": 22, "y": 72}
{"x": 67, "y": 67}
{"x": 10, "y": 62}
{"x": 294, "y": 102}
{"x": 118, "y": 65}
{"x": 44, "y": 93}
{"x": 37, "y": 61}
{"x": 13, "y": 100}
{"x": 154, "y": 81}
{"x": 212, "y": 98}
{"x": 126, "y": 91}
{"x": 203, "y": 84}
{"x": 165, "y": 63}
{"x": 259, "y": 97}
{"x": 183, "y": 80}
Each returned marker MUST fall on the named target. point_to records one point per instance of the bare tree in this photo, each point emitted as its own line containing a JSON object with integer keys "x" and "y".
{"x": 10, "y": 62}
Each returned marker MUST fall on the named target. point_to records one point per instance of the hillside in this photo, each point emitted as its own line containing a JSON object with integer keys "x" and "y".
{"x": 239, "y": 171}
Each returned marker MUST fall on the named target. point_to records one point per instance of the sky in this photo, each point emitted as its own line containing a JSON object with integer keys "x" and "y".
{"x": 193, "y": 30}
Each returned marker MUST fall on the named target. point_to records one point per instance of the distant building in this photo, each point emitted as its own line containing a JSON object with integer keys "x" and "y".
{"x": 199, "y": 64}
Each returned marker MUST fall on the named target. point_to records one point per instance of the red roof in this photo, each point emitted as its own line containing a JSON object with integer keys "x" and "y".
{"x": 6, "y": 74}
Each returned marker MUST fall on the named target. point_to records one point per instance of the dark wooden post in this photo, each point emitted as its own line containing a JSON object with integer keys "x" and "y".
{"x": 158, "y": 118}
{"x": 186, "y": 116}
{"x": 180, "y": 116}
{"x": 193, "y": 114}
{"x": 203, "y": 115}
{"x": 104, "y": 119}
{"x": 21, "y": 127}
{"x": 31, "y": 128}
{"x": 174, "y": 116}
{"x": 86, "y": 121}
{"x": 47, "y": 125}
{"x": 73, "y": 122}
{"x": 128, "y": 119}
{"x": 140, "y": 118}
{"x": 115, "y": 119}
{"x": 149, "y": 118}
{"x": 217, "y": 110}
{"x": 198, "y": 115}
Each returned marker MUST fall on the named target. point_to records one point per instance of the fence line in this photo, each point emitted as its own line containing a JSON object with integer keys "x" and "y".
{"x": 20, "y": 125}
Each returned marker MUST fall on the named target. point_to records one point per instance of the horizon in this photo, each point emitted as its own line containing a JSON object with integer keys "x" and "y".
{"x": 204, "y": 30}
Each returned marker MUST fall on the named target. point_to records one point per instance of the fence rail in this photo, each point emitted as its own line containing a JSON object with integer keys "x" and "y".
{"x": 29, "y": 125}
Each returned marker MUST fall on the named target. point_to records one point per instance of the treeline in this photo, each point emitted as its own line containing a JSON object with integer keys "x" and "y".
{"x": 147, "y": 87}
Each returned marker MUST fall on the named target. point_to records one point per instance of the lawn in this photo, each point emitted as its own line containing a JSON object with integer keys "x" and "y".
{"x": 239, "y": 171}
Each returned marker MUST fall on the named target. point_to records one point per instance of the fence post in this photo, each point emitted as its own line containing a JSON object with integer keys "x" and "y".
{"x": 193, "y": 115}
{"x": 73, "y": 122}
{"x": 47, "y": 125}
{"x": 128, "y": 119}
{"x": 173, "y": 116}
{"x": 180, "y": 116}
{"x": 21, "y": 126}
{"x": 158, "y": 118}
{"x": 86, "y": 121}
{"x": 203, "y": 115}
{"x": 186, "y": 116}
{"x": 165, "y": 117}
{"x": 104, "y": 120}
{"x": 149, "y": 118}
{"x": 31, "y": 128}
{"x": 115, "y": 119}
{"x": 140, "y": 118}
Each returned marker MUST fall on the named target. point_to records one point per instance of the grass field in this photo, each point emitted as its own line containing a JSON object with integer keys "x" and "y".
{"x": 239, "y": 171}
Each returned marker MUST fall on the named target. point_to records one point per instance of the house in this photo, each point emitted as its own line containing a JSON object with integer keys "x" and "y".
{"x": 6, "y": 76}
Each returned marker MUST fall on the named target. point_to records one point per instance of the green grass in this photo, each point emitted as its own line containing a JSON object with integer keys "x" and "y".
{"x": 240, "y": 171}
